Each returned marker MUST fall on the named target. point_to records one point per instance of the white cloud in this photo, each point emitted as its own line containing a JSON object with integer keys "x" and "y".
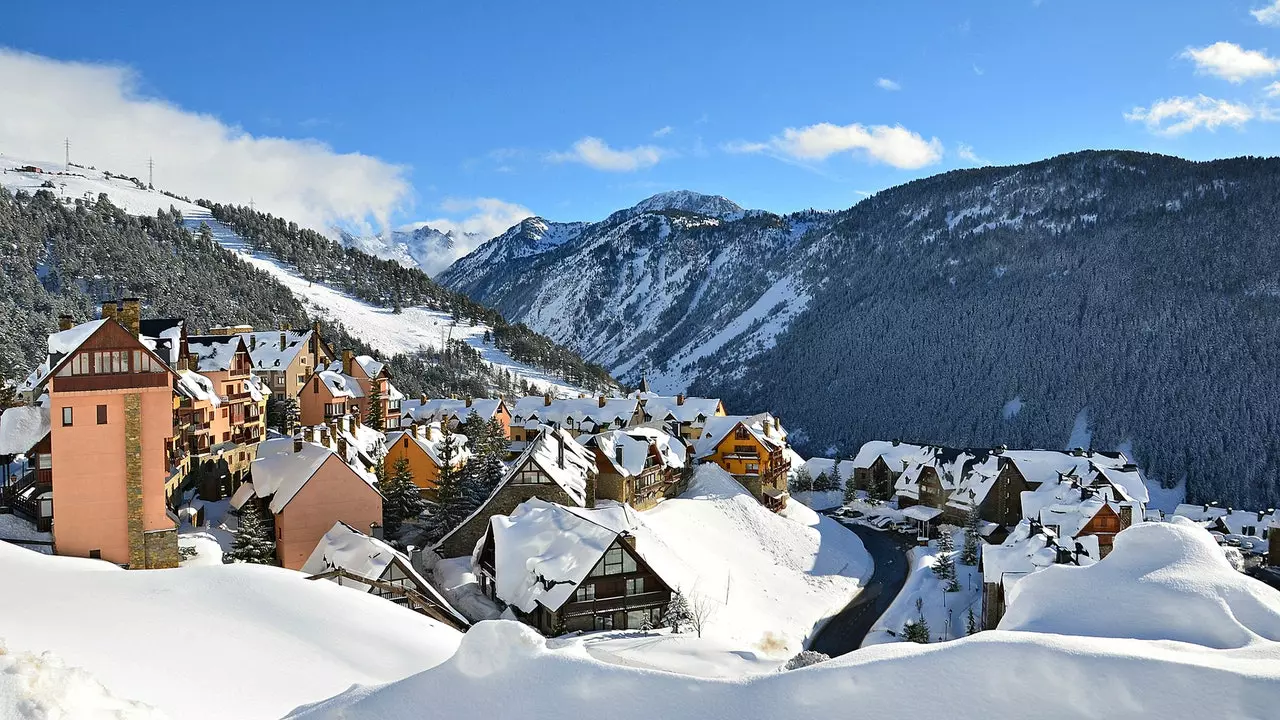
{"x": 596, "y": 153}
{"x": 1180, "y": 115}
{"x": 1269, "y": 15}
{"x": 114, "y": 127}
{"x": 663, "y": 131}
{"x": 965, "y": 152}
{"x": 891, "y": 145}
{"x": 1272, "y": 90}
{"x": 887, "y": 84}
{"x": 1232, "y": 62}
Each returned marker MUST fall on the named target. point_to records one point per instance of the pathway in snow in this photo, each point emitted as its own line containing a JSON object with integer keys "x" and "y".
{"x": 845, "y": 631}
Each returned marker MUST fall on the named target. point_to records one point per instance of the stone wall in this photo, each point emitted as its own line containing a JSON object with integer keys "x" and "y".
{"x": 133, "y": 479}
{"x": 161, "y": 548}
{"x": 462, "y": 541}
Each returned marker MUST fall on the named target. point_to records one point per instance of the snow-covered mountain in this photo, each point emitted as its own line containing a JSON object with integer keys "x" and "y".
{"x": 927, "y": 310}
{"x": 414, "y": 328}
{"x": 418, "y": 245}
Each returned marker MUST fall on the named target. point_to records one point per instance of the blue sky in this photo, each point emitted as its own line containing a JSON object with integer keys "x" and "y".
{"x": 490, "y": 100}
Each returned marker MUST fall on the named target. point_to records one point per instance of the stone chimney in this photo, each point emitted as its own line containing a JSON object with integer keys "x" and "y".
{"x": 297, "y": 443}
{"x": 546, "y": 399}
{"x": 109, "y": 309}
{"x": 333, "y": 428}
{"x": 422, "y": 398}
{"x": 768, "y": 426}
{"x": 131, "y": 314}
{"x": 65, "y": 322}
{"x": 680, "y": 399}
{"x": 284, "y": 340}
{"x": 348, "y": 359}
{"x": 896, "y": 442}
{"x": 617, "y": 454}
{"x": 468, "y": 401}
{"x": 602, "y": 401}
{"x": 342, "y": 447}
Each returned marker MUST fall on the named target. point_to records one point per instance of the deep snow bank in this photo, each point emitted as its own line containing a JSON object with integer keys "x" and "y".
{"x": 1162, "y": 581}
{"x": 270, "y": 638}
{"x": 42, "y": 686}
{"x": 503, "y": 670}
{"x": 770, "y": 577}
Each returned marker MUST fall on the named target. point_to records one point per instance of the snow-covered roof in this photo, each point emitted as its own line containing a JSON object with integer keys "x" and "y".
{"x": 717, "y": 428}
{"x": 543, "y": 551}
{"x": 586, "y": 414}
{"x": 658, "y": 407}
{"x": 441, "y": 409}
{"x": 213, "y": 353}
{"x": 193, "y": 385}
{"x": 429, "y": 439}
{"x": 368, "y": 557}
{"x": 279, "y": 473}
{"x": 371, "y": 366}
{"x": 66, "y": 342}
{"x": 22, "y": 427}
{"x": 163, "y": 336}
{"x": 340, "y": 385}
{"x": 819, "y": 465}
{"x": 634, "y": 451}
{"x": 579, "y": 462}
{"x": 1228, "y": 520}
{"x": 1026, "y": 550}
{"x": 275, "y": 349}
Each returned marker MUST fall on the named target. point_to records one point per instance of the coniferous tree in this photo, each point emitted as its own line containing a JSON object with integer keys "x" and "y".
{"x": 969, "y": 555}
{"x": 850, "y": 492}
{"x": 376, "y": 418}
{"x": 944, "y": 566}
{"x": 834, "y": 481}
{"x": 971, "y": 623}
{"x": 401, "y": 498}
{"x": 499, "y": 443}
{"x": 451, "y": 499}
{"x": 917, "y": 630}
{"x": 253, "y": 542}
{"x": 801, "y": 480}
{"x": 678, "y": 614}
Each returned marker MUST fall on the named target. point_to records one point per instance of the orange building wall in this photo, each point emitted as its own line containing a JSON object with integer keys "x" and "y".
{"x": 311, "y": 403}
{"x": 334, "y": 493}
{"x": 738, "y": 466}
{"x": 425, "y": 471}
{"x": 89, "y": 503}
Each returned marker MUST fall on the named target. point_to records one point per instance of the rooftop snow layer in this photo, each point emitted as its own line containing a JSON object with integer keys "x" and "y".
{"x": 22, "y": 427}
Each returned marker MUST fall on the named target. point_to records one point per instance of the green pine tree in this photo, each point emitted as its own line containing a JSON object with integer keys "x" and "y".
{"x": 969, "y": 555}
{"x": 802, "y": 480}
{"x": 253, "y": 542}
{"x": 850, "y": 492}
{"x": 944, "y": 566}
{"x": 971, "y": 623}
{"x": 499, "y": 443}
{"x": 376, "y": 419}
{"x": 917, "y": 630}
{"x": 451, "y": 498}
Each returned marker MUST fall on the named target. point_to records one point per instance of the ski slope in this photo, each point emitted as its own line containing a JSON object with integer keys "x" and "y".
{"x": 416, "y": 328}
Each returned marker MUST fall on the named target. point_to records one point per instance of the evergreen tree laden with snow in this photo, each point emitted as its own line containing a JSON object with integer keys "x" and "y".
{"x": 834, "y": 481}
{"x": 677, "y": 615}
{"x": 253, "y": 542}
{"x": 944, "y": 566}
{"x": 450, "y": 509}
{"x": 969, "y": 555}
{"x": 971, "y": 623}
{"x": 850, "y": 492}
{"x": 401, "y": 499}
{"x": 917, "y": 630}
{"x": 802, "y": 480}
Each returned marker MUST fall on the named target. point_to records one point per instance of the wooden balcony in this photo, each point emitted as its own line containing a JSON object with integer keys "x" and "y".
{"x": 614, "y": 604}
{"x": 122, "y": 381}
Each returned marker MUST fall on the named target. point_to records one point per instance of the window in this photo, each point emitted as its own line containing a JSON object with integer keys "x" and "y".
{"x": 225, "y": 411}
{"x": 615, "y": 562}
{"x": 315, "y": 387}
{"x": 95, "y": 554}
{"x": 740, "y": 433}
{"x": 66, "y": 417}
{"x": 744, "y": 450}
{"x": 102, "y": 414}
{"x": 753, "y": 468}
{"x": 585, "y": 593}
{"x": 531, "y": 476}
{"x": 1249, "y": 530}
{"x": 635, "y": 586}
{"x": 44, "y": 461}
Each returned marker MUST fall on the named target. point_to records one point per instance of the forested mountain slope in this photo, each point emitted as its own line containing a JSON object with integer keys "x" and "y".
{"x": 1114, "y": 298}
{"x": 64, "y": 248}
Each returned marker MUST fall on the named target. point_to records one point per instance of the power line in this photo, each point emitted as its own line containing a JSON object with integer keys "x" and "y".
{"x": 151, "y": 173}
{"x": 66, "y": 146}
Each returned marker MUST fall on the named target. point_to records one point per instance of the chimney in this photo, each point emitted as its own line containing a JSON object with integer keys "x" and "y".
{"x": 468, "y": 401}
{"x": 375, "y": 530}
{"x": 108, "y": 309}
{"x": 348, "y": 358}
{"x": 131, "y": 310}
{"x": 1205, "y": 507}
{"x": 333, "y": 427}
{"x": 351, "y": 424}
{"x": 602, "y": 401}
{"x": 284, "y": 341}
{"x": 768, "y": 426}
{"x": 680, "y": 399}
{"x": 297, "y": 443}
{"x": 999, "y": 449}
{"x": 1230, "y": 509}
{"x": 342, "y": 447}
{"x": 896, "y": 442}
{"x": 65, "y": 322}
{"x": 546, "y": 399}
{"x": 617, "y": 454}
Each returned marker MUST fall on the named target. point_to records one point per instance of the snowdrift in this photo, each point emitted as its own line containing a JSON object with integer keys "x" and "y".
{"x": 41, "y": 686}
{"x": 503, "y": 670}
{"x": 1162, "y": 581}
{"x": 239, "y": 641}
{"x": 771, "y": 578}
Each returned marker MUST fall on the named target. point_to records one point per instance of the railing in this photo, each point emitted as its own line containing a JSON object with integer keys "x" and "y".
{"x": 613, "y": 604}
